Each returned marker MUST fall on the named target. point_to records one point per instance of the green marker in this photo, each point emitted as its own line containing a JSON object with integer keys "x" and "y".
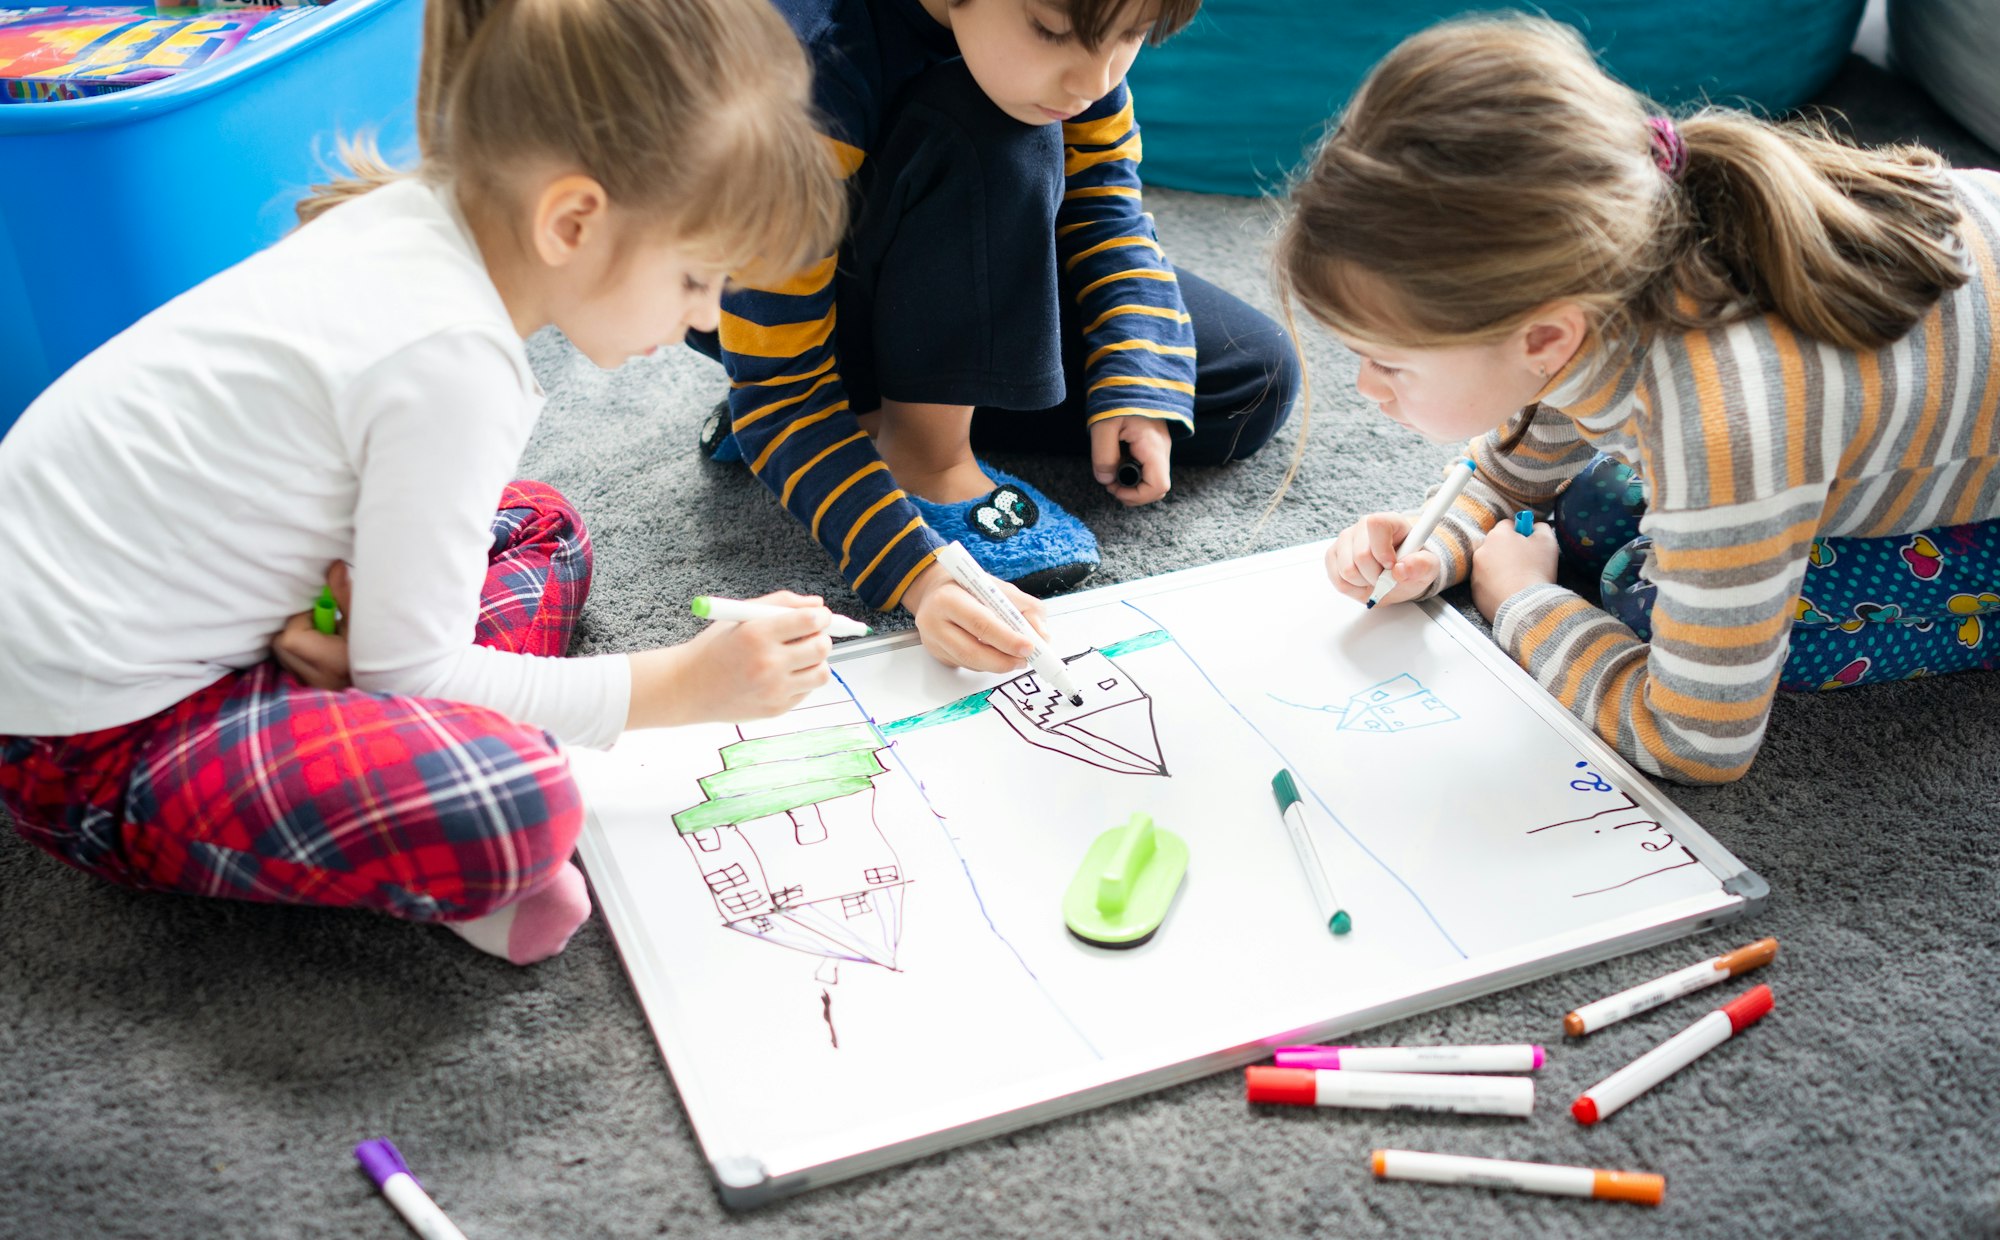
{"x": 326, "y": 612}
{"x": 709, "y": 607}
{"x": 1330, "y": 912}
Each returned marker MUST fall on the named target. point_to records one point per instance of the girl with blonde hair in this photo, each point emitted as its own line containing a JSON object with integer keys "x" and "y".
{"x": 346, "y": 407}
{"x": 1750, "y": 370}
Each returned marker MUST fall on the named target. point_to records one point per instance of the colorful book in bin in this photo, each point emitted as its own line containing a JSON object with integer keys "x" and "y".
{"x": 78, "y": 51}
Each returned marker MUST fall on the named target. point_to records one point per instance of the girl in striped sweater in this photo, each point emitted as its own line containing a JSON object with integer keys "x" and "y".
{"x": 1750, "y": 371}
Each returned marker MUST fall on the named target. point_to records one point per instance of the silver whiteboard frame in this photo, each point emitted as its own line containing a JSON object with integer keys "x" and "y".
{"x": 745, "y": 1182}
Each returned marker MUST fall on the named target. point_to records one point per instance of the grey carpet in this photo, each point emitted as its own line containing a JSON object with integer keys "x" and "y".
{"x": 179, "y": 1067}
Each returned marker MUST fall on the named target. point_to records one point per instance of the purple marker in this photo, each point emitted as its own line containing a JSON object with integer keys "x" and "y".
{"x": 391, "y": 1174}
{"x": 1516, "y": 1058}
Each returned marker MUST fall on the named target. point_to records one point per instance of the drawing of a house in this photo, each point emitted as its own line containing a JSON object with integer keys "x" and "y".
{"x": 788, "y": 844}
{"x": 1112, "y": 729}
{"x": 1395, "y": 705}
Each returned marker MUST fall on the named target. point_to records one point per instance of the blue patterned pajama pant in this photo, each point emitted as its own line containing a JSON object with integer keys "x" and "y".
{"x": 1871, "y": 609}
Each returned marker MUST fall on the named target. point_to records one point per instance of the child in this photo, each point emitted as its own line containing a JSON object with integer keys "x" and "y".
{"x": 999, "y": 262}
{"x": 359, "y": 393}
{"x": 1762, "y": 363}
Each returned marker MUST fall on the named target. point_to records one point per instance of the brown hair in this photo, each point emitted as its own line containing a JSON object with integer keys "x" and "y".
{"x": 1488, "y": 167}
{"x": 1092, "y": 20}
{"x": 694, "y": 115}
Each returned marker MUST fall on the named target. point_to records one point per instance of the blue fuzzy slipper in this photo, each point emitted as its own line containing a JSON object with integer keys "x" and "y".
{"x": 1017, "y": 535}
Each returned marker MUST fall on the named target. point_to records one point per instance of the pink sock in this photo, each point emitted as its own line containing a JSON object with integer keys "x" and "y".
{"x": 536, "y": 926}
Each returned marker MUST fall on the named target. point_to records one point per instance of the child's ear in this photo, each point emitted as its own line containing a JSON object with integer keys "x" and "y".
{"x": 569, "y": 213}
{"x": 1553, "y": 336}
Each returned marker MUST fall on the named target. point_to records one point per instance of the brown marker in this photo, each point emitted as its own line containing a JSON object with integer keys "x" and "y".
{"x": 1594, "y": 1016}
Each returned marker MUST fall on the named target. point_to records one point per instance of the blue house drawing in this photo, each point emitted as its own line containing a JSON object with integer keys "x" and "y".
{"x": 1396, "y": 705}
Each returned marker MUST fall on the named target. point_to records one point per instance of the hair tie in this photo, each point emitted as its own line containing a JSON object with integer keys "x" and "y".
{"x": 1670, "y": 154}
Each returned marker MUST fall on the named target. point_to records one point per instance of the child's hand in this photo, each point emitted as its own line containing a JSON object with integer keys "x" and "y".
{"x": 1506, "y": 564}
{"x": 1151, "y": 443}
{"x": 318, "y": 659}
{"x": 1357, "y": 558}
{"x": 732, "y": 671}
{"x": 960, "y": 631}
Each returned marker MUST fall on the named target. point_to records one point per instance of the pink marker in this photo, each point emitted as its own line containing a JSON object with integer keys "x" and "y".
{"x": 1672, "y": 1055}
{"x": 1515, "y": 1058}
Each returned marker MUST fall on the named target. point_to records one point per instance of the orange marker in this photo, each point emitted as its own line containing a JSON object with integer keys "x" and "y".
{"x": 1594, "y": 1016}
{"x": 1640, "y": 1186}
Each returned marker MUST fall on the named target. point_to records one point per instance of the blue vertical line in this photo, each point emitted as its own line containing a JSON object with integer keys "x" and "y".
{"x": 1310, "y": 790}
{"x": 924, "y": 795}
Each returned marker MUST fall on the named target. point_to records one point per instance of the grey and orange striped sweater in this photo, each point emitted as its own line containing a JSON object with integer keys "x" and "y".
{"x": 789, "y": 409}
{"x": 1753, "y": 441}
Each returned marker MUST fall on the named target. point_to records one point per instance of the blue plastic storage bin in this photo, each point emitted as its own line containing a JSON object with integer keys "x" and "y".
{"x": 113, "y": 205}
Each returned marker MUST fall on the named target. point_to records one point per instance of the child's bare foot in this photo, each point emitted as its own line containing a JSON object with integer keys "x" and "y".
{"x": 928, "y": 449}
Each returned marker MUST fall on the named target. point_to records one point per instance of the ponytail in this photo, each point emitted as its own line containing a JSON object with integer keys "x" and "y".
{"x": 1488, "y": 167}
{"x": 1849, "y": 246}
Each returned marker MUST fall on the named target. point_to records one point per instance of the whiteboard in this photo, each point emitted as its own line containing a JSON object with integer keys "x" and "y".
{"x": 818, "y": 910}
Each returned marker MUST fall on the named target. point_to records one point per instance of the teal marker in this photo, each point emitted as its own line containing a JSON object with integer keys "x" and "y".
{"x": 326, "y": 612}
{"x": 1524, "y": 523}
{"x": 1330, "y": 912}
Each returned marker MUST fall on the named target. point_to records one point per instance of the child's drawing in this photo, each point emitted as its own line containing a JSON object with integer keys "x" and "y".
{"x": 1113, "y": 729}
{"x": 788, "y": 843}
{"x": 1394, "y": 705}
{"x": 1652, "y": 849}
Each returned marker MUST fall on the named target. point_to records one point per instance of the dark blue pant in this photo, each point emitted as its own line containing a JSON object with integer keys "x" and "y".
{"x": 1871, "y": 609}
{"x": 949, "y": 289}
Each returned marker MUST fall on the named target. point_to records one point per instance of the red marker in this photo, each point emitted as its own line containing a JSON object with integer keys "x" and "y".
{"x": 1671, "y": 1056}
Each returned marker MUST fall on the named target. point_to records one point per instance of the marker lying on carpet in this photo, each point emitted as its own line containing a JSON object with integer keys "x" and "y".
{"x": 1331, "y": 915}
{"x": 1594, "y": 1016}
{"x": 391, "y": 1174}
{"x": 1393, "y": 1091}
{"x": 1641, "y": 1186}
{"x": 1522, "y": 1058}
{"x": 966, "y": 572}
{"x": 709, "y": 607}
{"x": 1456, "y": 475}
{"x": 1672, "y": 1055}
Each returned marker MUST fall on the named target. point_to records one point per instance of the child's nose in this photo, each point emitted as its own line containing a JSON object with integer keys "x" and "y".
{"x": 1094, "y": 78}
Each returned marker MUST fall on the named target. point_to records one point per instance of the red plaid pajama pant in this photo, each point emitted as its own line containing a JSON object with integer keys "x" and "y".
{"x": 260, "y": 788}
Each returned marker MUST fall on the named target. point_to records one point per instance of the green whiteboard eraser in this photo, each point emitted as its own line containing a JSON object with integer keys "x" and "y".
{"x": 1126, "y": 884}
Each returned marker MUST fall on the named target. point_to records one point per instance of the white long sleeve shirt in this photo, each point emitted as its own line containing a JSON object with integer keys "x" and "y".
{"x": 355, "y": 392}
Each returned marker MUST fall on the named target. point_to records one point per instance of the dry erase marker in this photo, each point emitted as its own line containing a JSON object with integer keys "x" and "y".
{"x": 1641, "y": 1186}
{"x": 326, "y": 612}
{"x": 1594, "y": 1016}
{"x": 391, "y": 1174}
{"x": 1130, "y": 472}
{"x": 1671, "y": 1056}
{"x": 709, "y": 607}
{"x": 966, "y": 571}
{"x": 1393, "y": 1091}
{"x": 1521, "y": 1058}
{"x": 1331, "y": 915}
{"x": 1456, "y": 475}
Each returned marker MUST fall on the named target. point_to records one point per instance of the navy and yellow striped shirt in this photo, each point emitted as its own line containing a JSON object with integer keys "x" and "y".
{"x": 787, "y": 402}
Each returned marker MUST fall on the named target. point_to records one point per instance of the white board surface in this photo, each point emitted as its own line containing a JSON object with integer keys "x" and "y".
{"x": 849, "y": 941}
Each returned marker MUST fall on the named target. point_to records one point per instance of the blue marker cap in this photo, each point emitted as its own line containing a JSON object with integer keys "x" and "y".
{"x": 380, "y": 1159}
{"x": 1524, "y": 523}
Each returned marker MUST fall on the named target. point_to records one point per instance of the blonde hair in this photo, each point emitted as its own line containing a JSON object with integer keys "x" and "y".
{"x": 694, "y": 115}
{"x": 1488, "y": 167}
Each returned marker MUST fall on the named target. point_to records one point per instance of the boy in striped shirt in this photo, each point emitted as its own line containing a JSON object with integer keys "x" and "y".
{"x": 999, "y": 262}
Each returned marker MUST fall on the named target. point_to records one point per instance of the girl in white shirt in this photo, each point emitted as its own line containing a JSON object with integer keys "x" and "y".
{"x": 357, "y": 395}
